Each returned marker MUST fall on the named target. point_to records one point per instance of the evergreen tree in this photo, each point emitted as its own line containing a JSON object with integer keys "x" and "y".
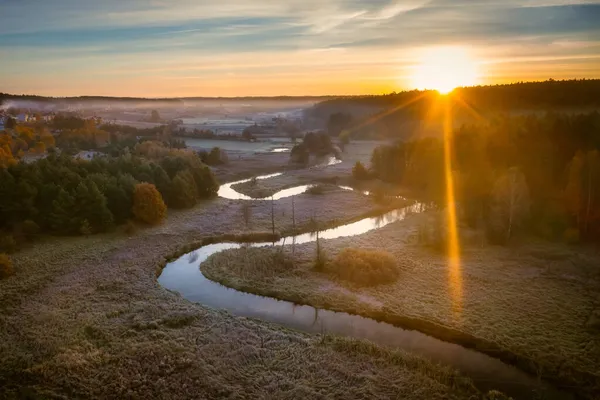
{"x": 61, "y": 218}
{"x": 91, "y": 205}
{"x": 184, "y": 192}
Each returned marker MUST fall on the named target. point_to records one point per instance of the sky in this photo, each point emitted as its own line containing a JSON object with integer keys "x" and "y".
{"x": 176, "y": 48}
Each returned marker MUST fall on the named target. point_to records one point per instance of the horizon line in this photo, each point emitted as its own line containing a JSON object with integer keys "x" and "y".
{"x": 2, "y": 94}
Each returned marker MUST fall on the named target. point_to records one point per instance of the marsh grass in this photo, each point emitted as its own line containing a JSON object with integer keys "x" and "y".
{"x": 534, "y": 305}
{"x": 90, "y": 309}
{"x": 364, "y": 267}
{"x": 317, "y": 189}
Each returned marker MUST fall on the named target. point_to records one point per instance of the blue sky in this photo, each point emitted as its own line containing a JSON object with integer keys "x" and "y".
{"x": 242, "y": 47}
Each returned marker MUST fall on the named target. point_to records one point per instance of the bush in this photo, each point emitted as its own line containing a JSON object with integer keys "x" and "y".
{"x": 316, "y": 189}
{"x": 30, "y": 229}
{"x": 215, "y": 157}
{"x": 364, "y": 267}
{"x": 8, "y": 243}
{"x": 148, "y": 204}
{"x": 6, "y": 268}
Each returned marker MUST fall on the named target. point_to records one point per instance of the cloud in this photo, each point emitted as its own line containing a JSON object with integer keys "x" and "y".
{"x": 82, "y": 40}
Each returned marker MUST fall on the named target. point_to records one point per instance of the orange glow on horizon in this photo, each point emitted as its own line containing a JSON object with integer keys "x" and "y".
{"x": 444, "y": 69}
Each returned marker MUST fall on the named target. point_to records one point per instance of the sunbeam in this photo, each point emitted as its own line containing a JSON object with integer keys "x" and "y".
{"x": 453, "y": 246}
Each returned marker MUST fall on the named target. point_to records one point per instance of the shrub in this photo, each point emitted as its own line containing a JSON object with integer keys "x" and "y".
{"x": 8, "y": 243}
{"x": 30, "y": 229}
{"x": 359, "y": 172}
{"x": 85, "y": 229}
{"x": 6, "y": 268}
{"x": 148, "y": 204}
{"x": 215, "y": 157}
{"x": 316, "y": 189}
{"x": 364, "y": 267}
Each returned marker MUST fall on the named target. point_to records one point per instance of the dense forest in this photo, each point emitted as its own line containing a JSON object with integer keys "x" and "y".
{"x": 397, "y": 114}
{"x": 510, "y": 173}
{"x": 64, "y": 195}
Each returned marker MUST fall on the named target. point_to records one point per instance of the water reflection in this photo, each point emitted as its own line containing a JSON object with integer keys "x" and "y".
{"x": 227, "y": 192}
{"x": 184, "y": 276}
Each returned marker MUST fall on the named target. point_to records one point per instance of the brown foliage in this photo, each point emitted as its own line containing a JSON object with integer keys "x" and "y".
{"x": 148, "y": 204}
{"x": 6, "y": 268}
{"x": 364, "y": 267}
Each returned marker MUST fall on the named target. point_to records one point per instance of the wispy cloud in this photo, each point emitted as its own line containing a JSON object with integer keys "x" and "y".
{"x": 67, "y": 46}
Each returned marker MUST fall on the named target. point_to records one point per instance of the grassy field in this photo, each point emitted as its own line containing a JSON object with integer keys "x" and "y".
{"x": 533, "y": 304}
{"x": 85, "y": 318}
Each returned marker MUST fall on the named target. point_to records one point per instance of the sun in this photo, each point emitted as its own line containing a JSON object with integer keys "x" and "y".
{"x": 445, "y": 68}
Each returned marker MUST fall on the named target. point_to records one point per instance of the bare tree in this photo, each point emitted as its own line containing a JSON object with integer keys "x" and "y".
{"x": 293, "y": 231}
{"x": 273, "y": 215}
{"x": 247, "y": 213}
{"x": 593, "y": 172}
{"x": 320, "y": 256}
{"x": 510, "y": 202}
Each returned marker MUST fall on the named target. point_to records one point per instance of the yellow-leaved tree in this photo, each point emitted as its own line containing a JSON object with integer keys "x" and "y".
{"x": 148, "y": 204}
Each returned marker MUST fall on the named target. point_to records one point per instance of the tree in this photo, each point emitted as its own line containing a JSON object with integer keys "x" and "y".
{"x": 300, "y": 154}
{"x": 214, "y": 156}
{"x": 40, "y": 148}
{"x": 148, "y": 204}
{"x": 61, "y": 217}
{"x": 6, "y": 157}
{"x": 246, "y": 213}
{"x": 184, "y": 191}
{"x": 592, "y": 186}
{"x": 359, "y": 172}
{"x": 338, "y": 122}
{"x": 154, "y": 116}
{"x": 119, "y": 196}
{"x": 48, "y": 141}
{"x": 574, "y": 189}
{"x": 582, "y": 194}
{"x": 344, "y": 138}
{"x": 91, "y": 207}
{"x": 10, "y": 123}
{"x": 510, "y": 203}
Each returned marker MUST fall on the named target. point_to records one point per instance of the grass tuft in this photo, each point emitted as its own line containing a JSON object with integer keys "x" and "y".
{"x": 364, "y": 267}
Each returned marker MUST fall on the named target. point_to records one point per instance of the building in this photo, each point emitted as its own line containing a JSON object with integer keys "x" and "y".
{"x": 88, "y": 155}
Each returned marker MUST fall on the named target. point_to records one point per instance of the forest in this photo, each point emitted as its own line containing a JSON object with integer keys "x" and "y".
{"x": 371, "y": 116}
{"x": 511, "y": 173}
{"x": 67, "y": 196}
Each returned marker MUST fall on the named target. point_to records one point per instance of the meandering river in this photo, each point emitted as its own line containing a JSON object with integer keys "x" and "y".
{"x": 184, "y": 276}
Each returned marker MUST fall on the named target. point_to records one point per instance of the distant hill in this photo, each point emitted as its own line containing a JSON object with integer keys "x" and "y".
{"x": 174, "y": 100}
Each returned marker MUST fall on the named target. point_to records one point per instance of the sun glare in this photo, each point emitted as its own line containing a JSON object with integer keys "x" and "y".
{"x": 445, "y": 68}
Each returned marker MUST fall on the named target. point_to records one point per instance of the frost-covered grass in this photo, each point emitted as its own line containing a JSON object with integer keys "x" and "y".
{"x": 534, "y": 304}
{"x": 85, "y": 318}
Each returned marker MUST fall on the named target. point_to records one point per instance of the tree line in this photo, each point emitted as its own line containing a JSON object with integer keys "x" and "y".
{"x": 63, "y": 195}
{"x": 370, "y": 116}
{"x": 511, "y": 172}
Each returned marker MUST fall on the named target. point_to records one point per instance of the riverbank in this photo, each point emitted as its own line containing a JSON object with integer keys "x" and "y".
{"x": 530, "y": 305}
